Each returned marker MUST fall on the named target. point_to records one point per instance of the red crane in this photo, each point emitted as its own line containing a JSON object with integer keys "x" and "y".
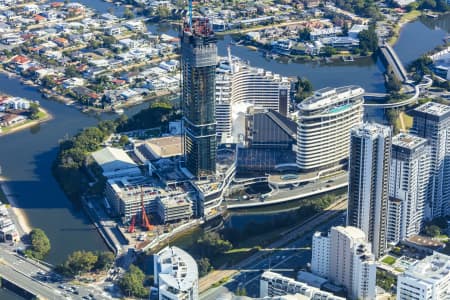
{"x": 133, "y": 222}
{"x": 145, "y": 222}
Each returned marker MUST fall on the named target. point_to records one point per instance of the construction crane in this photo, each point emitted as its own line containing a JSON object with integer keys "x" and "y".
{"x": 145, "y": 223}
{"x": 131, "y": 229}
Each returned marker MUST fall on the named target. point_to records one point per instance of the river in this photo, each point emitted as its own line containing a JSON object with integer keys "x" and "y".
{"x": 26, "y": 157}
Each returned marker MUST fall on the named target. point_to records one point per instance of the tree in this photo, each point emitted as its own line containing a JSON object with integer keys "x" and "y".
{"x": 368, "y": 39}
{"x": 128, "y": 13}
{"x": 303, "y": 89}
{"x": 79, "y": 262}
{"x": 241, "y": 291}
{"x": 104, "y": 260}
{"x": 204, "y": 266}
{"x": 328, "y": 51}
{"x": 393, "y": 84}
{"x": 123, "y": 140}
{"x": 34, "y": 111}
{"x": 132, "y": 283}
{"x": 71, "y": 71}
{"x": 305, "y": 34}
{"x": 432, "y": 230}
{"x": 40, "y": 244}
{"x": 211, "y": 244}
{"x": 162, "y": 11}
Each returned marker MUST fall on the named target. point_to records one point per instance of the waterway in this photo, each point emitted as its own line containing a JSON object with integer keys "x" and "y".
{"x": 26, "y": 157}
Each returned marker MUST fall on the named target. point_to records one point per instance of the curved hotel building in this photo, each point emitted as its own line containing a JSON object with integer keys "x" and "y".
{"x": 323, "y": 131}
{"x": 241, "y": 83}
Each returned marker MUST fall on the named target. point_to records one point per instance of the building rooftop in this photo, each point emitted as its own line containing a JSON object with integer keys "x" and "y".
{"x": 408, "y": 141}
{"x": 164, "y": 147}
{"x": 434, "y": 109}
{"x": 327, "y": 97}
{"x": 369, "y": 130}
{"x": 115, "y": 162}
{"x": 178, "y": 268}
{"x": 431, "y": 269}
{"x": 351, "y": 231}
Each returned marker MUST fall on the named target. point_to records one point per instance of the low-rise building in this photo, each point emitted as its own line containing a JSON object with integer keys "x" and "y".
{"x": 115, "y": 163}
{"x": 428, "y": 279}
{"x": 273, "y": 284}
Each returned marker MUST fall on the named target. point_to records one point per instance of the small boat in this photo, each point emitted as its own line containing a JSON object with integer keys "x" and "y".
{"x": 119, "y": 111}
{"x": 430, "y": 15}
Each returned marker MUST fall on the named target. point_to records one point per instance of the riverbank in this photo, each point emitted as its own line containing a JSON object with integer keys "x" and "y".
{"x": 405, "y": 19}
{"x": 44, "y": 116}
{"x": 17, "y": 214}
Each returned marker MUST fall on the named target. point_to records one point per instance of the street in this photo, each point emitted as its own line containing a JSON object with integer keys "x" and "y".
{"x": 291, "y": 253}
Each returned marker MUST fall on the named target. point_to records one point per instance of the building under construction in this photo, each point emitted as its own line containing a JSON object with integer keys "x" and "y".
{"x": 198, "y": 64}
{"x": 130, "y": 197}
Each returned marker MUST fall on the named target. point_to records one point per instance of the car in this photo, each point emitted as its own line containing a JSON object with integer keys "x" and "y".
{"x": 75, "y": 292}
{"x": 61, "y": 286}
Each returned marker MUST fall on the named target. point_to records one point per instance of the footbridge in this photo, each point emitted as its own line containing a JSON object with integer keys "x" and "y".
{"x": 391, "y": 59}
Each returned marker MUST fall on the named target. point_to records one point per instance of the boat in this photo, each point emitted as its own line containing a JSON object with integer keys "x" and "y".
{"x": 430, "y": 15}
{"x": 118, "y": 111}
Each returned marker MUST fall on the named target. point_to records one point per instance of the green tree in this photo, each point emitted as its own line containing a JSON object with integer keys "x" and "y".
{"x": 303, "y": 89}
{"x": 163, "y": 12}
{"x": 79, "y": 262}
{"x": 71, "y": 71}
{"x": 40, "y": 244}
{"x": 368, "y": 40}
{"x": 104, "y": 260}
{"x": 432, "y": 230}
{"x": 305, "y": 34}
{"x": 393, "y": 84}
{"x": 204, "y": 266}
{"x": 132, "y": 283}
{"x": 241, "y": 291}
{"x": 211, "y": 244}
{"x": 34, "y": 111}
{"x": 128, "y": 13}
{"x": 123, "y": 140}
{"x": 328, "y": 51}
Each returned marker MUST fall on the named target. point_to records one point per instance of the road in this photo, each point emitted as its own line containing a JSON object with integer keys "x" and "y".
{"x": 282, "y": 195}
{"x": 287, "y": 260}
{"x": 39, "y": 279}
{"x": 266, "y": 259}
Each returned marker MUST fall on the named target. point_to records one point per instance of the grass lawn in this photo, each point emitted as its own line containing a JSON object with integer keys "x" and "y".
{"x": 233, "y": 256}
{"x": 407, "y": 121}
{"x": 389, "y": 260}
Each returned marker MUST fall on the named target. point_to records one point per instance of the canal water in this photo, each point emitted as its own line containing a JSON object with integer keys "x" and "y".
{"x": 26, "y": 157}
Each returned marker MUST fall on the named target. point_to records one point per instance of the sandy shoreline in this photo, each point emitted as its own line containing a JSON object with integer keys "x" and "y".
{"x": 20, "y": 218}
{"x": 29, "y": 124}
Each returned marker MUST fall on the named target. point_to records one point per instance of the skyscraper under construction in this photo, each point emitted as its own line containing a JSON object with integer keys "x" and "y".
{"x": 198, "y": 62}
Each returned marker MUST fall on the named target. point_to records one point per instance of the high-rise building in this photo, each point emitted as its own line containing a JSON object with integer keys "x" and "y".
{"x": 320, "y": 260}
{"x": 432, "y": 121}
{"x": 198, "y": 63}
{"x": 408, "y": 185}
{"x": 176, "y": 274}
{"x": 324, "y": 122}
{"x": 344, "y": 257}
{"x": 241, "y": 83}
{"x": 370, "y": 147}
{"x": 428, "y": 279}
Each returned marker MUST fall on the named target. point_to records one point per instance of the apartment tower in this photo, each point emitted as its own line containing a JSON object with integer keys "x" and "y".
{"x": 370, "y": 147}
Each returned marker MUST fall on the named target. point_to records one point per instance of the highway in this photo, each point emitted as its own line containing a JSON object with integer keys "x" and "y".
{"x": 289, "y": 252}
{"x": 282, "y": 195}
{"x": 40, "y": 280}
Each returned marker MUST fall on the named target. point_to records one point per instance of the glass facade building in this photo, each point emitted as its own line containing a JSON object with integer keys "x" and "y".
{"x": 198, "y": 60}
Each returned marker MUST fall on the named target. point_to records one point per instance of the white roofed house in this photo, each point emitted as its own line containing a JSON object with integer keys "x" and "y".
{"x": 115, "y": 163}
